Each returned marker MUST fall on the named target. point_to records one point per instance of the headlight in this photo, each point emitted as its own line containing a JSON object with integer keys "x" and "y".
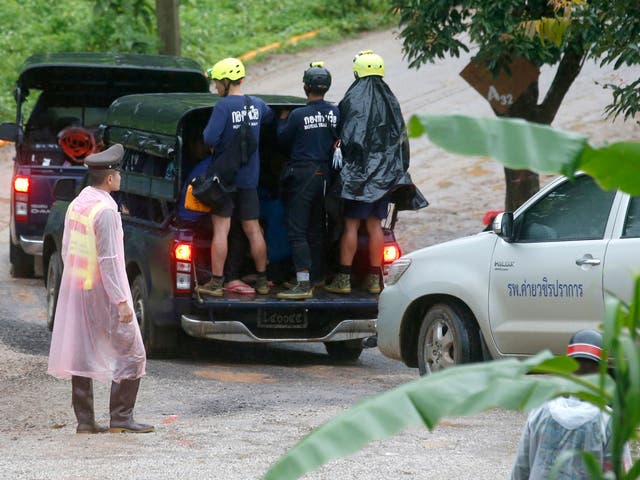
{"x": 397, "y": 269}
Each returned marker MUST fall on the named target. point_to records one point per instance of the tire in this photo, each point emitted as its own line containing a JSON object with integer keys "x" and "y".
{"x": 348, "y": 351}
{"x": 448, "y": 336}
{"x": 21, "y": 263}
{"x": 54, "y": 275}
{"x": 158, "y": 342}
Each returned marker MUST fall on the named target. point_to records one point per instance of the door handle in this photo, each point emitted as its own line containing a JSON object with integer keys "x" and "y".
{"x": 588, "y": 259}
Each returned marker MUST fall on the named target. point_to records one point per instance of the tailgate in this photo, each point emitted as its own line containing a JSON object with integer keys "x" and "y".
{"x": 257, "y": 318}
{"x": 40, "y": 195}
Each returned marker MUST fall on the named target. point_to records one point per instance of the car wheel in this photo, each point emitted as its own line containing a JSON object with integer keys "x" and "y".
{"x": 158, "y": 342}
{"x": 348, "y": 351}
{"x": 54, "y": 275}
{"x": 448, "y": 336}
{"x": 21, "y": 263}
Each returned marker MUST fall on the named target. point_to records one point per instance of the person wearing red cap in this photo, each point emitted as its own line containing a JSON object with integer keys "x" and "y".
{"x": 567, "y": 424}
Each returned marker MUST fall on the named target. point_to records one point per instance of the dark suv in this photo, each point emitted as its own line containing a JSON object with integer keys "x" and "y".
{"x": 74, "y": 92}
{"x": 167, "y": 257}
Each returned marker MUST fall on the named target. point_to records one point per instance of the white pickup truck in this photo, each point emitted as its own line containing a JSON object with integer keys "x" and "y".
{"x": 526, "y": 285}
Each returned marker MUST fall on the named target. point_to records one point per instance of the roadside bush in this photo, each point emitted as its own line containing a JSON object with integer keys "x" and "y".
{"x": 122, "y": 25}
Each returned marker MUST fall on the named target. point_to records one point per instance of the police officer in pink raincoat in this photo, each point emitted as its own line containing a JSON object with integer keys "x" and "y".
{"x": 95, "y": 333}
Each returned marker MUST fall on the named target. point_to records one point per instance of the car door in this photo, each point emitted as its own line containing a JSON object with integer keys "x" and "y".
{"x": 548, "y": 283}
{"x": 622, "y": 260}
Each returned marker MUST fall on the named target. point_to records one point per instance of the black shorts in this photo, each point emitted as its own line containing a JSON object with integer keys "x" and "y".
{"x": 362, "y": 210}
{"x": 242, "y": 204}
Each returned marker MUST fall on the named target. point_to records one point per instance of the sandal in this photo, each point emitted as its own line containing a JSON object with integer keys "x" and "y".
{"x": 238, "y": 286}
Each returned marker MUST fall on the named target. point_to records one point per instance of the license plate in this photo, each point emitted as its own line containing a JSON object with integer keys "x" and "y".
{"x": 294, "y": 319}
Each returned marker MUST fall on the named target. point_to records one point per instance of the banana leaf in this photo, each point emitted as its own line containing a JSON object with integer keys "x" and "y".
{"x": 518, "y": 144}
{"x": 461, "y": 390}
{"x": 615, "y": 166}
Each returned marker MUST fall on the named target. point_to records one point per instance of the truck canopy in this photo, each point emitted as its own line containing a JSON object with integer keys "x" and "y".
{"x": 159, "y": 118}
{"x": 163, "y": 113}
{"x": 157, "y": 124}
{"x": 124, "y": 73}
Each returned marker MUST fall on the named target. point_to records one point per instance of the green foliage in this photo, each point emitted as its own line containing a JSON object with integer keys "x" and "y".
{"x": 515, "y": 143}
{"x": 615, "y": 43}
{"x": 122, "y": 25}
{"x": 210, "y": 29}
{"x": 432, "y": 29}
{"x": 626, "y": 100}
{"x": 29, "y": 26}
{"x": 610, "y": 166}
{"x": 539, "y": 30}
{"x": 621, "y": 341}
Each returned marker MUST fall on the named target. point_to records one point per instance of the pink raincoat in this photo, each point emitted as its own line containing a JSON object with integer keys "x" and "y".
{"x": 88, "y": 339}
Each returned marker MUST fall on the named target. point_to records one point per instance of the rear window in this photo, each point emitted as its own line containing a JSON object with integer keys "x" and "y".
{"x": 50, "y": 116}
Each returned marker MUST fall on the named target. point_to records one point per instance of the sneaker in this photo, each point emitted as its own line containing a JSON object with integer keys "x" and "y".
{"x": 300, "y": 291}
{"x": 213, "y": 287}
{"x": 373, "y": 283}
{"x": 289, "y": 284}
{"x": 262, "y": 286}
{"x": 341, "y": 283}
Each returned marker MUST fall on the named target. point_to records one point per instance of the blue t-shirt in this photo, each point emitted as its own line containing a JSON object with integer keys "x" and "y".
{"x": 185, "y": 214}
{"x": 310, "y": 131}
{"x": 226, "y": 117}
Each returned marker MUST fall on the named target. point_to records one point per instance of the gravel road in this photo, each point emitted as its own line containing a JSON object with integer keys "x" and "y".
{"x": 229, "y": 412}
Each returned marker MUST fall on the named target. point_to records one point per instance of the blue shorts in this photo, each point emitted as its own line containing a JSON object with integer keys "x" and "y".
{"x": 362, "y": 210}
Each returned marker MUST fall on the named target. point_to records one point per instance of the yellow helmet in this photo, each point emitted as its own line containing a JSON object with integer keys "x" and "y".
{"x": 230, "y": 68}
{"x": 367, "y": 63}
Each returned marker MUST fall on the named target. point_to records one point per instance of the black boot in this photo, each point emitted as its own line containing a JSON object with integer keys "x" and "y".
{"x": 121, "y": 403}
{"x": 82, "y": 401}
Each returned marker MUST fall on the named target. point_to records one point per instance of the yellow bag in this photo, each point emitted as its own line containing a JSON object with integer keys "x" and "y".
{"x": 192, "y": 203}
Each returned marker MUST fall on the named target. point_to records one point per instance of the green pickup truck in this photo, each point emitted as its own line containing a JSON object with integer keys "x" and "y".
{"x": 166, "y": 257}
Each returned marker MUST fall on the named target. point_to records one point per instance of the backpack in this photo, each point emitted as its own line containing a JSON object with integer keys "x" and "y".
{"x": 219, "y": 179}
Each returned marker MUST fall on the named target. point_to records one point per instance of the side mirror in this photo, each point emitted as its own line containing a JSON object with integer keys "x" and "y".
{"x": 10, "y": 132}
{"x": 503, "y": 226}
{"x": 65, "y": 189}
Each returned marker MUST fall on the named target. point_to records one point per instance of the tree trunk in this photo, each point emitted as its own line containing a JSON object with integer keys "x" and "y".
{"x": 521, "y": 184}
{"x": 168, "y": 26}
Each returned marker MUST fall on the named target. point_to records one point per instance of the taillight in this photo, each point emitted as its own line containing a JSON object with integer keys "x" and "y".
{"x": 390, "y": 253}
{"x": 21, "y": 186}
{"x": 182, "y": 253}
